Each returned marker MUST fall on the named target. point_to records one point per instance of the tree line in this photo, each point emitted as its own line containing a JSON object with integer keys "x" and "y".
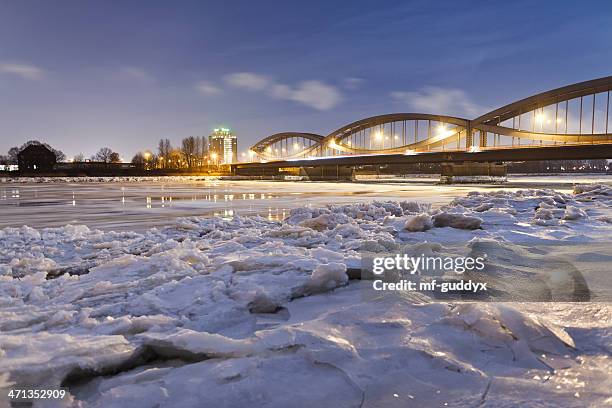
{"x": 11, "y": 156}
{"x": 105, "y": 154}
{"x": 192, "y": 153}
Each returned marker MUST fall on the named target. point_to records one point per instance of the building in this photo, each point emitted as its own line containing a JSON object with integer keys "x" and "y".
{"x": 36, "y": 157}
{"x": 223, "y": 146}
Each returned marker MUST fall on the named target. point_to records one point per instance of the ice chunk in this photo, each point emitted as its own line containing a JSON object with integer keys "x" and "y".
{"x": 573, "y": 213}
{"x": 326, "y": 277}
{"x": 459, "y": 221}
{"x": 421, "y": 222}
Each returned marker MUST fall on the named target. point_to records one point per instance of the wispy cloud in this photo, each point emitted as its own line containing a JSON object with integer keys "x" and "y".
{"x": 247, "y": 80}
{"x": 353, "y": 83}
{"x": 437, "y": 100}
{"x": 207, "y": 88}
{"x": 312, "y": 93}
{"x": 25, "y": 71}
{"x": 137, "y": 74}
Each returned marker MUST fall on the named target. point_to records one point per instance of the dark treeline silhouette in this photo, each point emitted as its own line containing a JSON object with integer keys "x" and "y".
{"x": 11, "y": 157}
{"x": 191, "y": 154}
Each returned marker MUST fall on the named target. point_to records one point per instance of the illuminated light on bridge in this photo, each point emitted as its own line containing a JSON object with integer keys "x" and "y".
{"x": 577, "y": 114}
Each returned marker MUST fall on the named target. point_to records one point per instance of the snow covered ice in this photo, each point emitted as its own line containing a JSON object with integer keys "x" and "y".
{"x": 247, "y": 311}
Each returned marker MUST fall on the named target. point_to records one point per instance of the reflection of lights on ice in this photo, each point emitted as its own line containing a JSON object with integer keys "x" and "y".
{"x": 410, "y": 152}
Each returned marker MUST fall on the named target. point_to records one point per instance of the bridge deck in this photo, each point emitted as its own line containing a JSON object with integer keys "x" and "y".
{"x": 516, "y": 154}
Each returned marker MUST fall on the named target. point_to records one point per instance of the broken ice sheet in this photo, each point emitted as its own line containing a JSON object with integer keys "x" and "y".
{"x": 176, "y": 316}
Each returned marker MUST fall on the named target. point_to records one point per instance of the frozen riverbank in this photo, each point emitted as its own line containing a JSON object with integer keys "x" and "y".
{"x": 247, "y": 310}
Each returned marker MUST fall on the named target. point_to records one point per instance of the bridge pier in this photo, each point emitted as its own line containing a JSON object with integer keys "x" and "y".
{"x": 473, "y": 172}
{"x": 321, "y": 173}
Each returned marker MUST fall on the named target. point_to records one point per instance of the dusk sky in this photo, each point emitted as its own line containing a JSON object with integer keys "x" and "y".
{"x": 81, "y": 75}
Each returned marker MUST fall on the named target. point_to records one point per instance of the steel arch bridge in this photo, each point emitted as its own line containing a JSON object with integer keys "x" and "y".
{"x": 573, "y": 115}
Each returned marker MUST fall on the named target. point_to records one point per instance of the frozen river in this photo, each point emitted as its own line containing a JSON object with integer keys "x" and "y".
{"x": 239, "y": 311}
{"x": 138, "y": 205}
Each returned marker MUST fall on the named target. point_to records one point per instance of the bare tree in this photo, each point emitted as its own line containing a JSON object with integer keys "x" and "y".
{"x": 197, "y": 153}
{"x": 60, "y": 156}
{"x": 12, "y": 155}
{"x": 105, "y": 155}
{"x": 188, "y": 149}
{"x": 202, "y": 150}
{"x": 79, "y": 158}
{"x": 138, "y": 159}
{"x": 175, "y": 159}
{"x": 115, "y": 158}
{"x": 163, "y": 149}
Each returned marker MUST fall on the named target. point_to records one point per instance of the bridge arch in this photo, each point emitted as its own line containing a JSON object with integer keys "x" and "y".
{"x": 396, "y": 133}
{"x": 571, "y": 115}
{"x": 288, "y": 145}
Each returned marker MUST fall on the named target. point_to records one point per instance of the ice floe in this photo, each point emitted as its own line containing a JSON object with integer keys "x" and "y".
{"x": 248, "y": 311}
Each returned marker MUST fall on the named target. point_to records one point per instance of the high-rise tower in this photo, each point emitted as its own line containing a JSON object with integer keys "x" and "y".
{"x": 224, "y": 145}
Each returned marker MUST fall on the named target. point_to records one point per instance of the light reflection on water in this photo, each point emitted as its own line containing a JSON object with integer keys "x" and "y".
{"x": 109, "y": 205}
{"x": 168, "y": 201}
{"x": 13, "y": 197}
{"x": 138, "y": 206}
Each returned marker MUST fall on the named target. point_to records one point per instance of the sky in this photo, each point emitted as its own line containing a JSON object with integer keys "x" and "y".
{"x": 81, "y": 75}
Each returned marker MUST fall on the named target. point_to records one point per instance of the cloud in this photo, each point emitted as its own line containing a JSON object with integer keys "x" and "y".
{"x": 353, "y": 83}
{"x": 441, "y": 101}
{"x": 207, "y": 88}
{"x": 24, "y": 71}
{"x": 247, "y": 80}
{"x": 316, "y": 94}
{"x": 137, "y": 74}
{"x": 313, "y": 93}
